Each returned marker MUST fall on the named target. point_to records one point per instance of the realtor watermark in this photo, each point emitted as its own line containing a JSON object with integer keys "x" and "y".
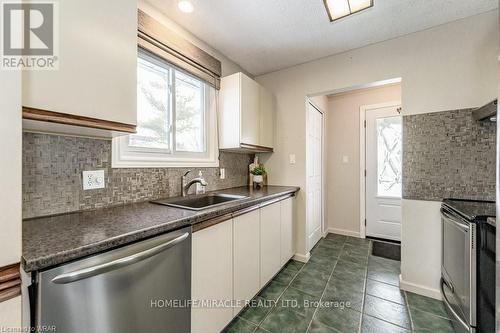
{"x": 30, "y": 35}
{"x": 257, "y": 303}
{"x": 42, "y": 328}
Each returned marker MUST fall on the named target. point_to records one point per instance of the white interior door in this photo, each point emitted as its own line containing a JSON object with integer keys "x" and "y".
{"x": 383, "y": 172}
{"x": 314, "y": 174}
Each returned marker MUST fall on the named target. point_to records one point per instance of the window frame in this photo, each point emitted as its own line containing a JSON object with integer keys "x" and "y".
{"x": 126, "y": 156}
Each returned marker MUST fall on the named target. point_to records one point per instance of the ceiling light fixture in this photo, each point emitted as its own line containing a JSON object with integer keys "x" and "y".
{"x": 185, "y": 6}
{"x": 337, "y": 9}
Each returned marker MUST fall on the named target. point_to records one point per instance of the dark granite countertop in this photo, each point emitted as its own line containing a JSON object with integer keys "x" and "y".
{"x": 53, "y": 240}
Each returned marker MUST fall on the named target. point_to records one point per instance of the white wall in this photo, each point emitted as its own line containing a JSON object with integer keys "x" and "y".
{"x": 448, "y": 67}
{"x": 10, "y": 314}
{"x": 10, "y": 185}
{"x": 421, "y": 247}
{"x": 342, "y": 139}
{"x": 228, "y": 66}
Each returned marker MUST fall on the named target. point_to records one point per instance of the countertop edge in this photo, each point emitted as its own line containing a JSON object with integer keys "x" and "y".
{"x": 43, "y": 263}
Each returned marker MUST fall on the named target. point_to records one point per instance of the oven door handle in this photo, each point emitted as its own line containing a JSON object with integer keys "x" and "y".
{"x": 458, "y": 221}
{"x": 450, "y": 307}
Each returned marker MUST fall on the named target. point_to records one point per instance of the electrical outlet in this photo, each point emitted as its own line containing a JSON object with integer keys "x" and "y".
{"x": 222, "y": 173}
{"x": 93, "y": 179}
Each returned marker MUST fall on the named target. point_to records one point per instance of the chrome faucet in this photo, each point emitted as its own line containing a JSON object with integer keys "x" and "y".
{"x": 185, "y": 187}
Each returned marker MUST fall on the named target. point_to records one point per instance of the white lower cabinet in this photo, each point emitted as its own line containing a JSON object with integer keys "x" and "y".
{"x": 270, "y": 242}
{"x": 212, "y": 276}
{"x": 234, "y": 259}
{"x": 287, "y": 249}
{"x": 246, "y": 260}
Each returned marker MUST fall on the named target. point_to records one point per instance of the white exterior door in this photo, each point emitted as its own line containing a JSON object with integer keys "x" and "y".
{"x": 314, "y": 174}
{"x": 383, "y": 153}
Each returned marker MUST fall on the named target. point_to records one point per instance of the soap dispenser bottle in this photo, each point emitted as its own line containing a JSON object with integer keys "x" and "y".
{"x": 200, "y": 189}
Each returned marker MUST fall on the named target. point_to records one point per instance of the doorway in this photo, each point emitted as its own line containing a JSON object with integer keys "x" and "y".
{"x": 381, "y": 170}
{"x": 314, "y": 171}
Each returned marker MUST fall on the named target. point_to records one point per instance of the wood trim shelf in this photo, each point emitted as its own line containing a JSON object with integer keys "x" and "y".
{"x": 256, "y": 148}
{"x": 10, "y": 282}
{"x": 69, "y": 119}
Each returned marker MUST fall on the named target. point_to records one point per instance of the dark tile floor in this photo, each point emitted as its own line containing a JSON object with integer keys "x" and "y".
{"x": 341, "y": 289}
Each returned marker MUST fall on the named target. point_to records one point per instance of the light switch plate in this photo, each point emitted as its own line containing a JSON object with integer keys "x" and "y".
{"x": 222, "y": 173}
{"x": 93, "y": 179}
{"x": 292, "y": 159}
{"x": 345, "y": 159}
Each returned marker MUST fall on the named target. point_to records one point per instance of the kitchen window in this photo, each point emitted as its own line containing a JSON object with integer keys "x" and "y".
{"x": 176, "y": 119}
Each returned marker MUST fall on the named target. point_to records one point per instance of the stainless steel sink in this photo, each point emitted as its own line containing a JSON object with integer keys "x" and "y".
{"x": 200, "y": 202}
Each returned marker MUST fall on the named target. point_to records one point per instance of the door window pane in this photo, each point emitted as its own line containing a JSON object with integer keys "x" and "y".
{"x": 189, "y": 114}
{"x": 389, "y": 156}
{"x": 153, "y": 114}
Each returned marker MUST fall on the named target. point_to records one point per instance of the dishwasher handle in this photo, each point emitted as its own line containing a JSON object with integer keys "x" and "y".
{"x": 117, "y": 263}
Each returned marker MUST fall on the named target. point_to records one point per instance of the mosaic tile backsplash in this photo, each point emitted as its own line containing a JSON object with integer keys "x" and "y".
{"x": 52, "y": 176}
{"x": 448, "y": 155}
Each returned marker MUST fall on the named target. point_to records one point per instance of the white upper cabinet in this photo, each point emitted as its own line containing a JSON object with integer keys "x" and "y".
{"x": 247, "y": 115}
{"x": 250, "y": 111}
{"x": 97, "y": 75}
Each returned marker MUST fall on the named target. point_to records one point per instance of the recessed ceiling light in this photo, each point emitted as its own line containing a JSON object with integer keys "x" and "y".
{"x": 337, "y": 9}
{"x": 185, "y": 6}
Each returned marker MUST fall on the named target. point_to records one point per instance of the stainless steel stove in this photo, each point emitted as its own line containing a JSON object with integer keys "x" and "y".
{"x": 468, "y": 263}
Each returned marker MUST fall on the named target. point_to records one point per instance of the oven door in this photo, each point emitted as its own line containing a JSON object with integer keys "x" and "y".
{"x": 458, "y": 268}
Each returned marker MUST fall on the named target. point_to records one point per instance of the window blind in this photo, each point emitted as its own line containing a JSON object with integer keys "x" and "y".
{"x": 167, "y": 44}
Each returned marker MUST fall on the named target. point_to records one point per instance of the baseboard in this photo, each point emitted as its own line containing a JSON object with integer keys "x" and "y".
{"x": 419, "y": 289}
{"x": 302, "y": 257}
{"x": 344, "y": 232}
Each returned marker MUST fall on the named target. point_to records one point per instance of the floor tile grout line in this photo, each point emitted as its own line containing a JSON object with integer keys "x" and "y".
{"x": 343, "y": 245}
{"x": 388, "y": 300}
{"x": 321, "y": 297}
{"x": 406, "y": 305}
{"x": 323, "y": 293}
{"x": 388, "y": 322}
{"x": 364, "y": 290}
{"x": 409, "y": 311}
{"x": 248, "y": 321}
{"x": 415, "y": 308}
{"x": 429, "y": 313}
{"x": 286, "y": 288}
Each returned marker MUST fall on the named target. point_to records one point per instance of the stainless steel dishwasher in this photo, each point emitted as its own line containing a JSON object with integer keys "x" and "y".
{"x": 142, "y": 287}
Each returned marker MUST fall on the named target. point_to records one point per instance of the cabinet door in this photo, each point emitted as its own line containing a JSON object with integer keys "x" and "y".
{"x": 250, "y": 113}
{"x": 286, "y": 230}
{"x": 267, "y": 118}
{"x": 270, "y": 240}
{"x": 212, "y": 276}
{"x": 97, "y": 75}
{"x": 246, "y": 260}
{"x": 229, "y": 115}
